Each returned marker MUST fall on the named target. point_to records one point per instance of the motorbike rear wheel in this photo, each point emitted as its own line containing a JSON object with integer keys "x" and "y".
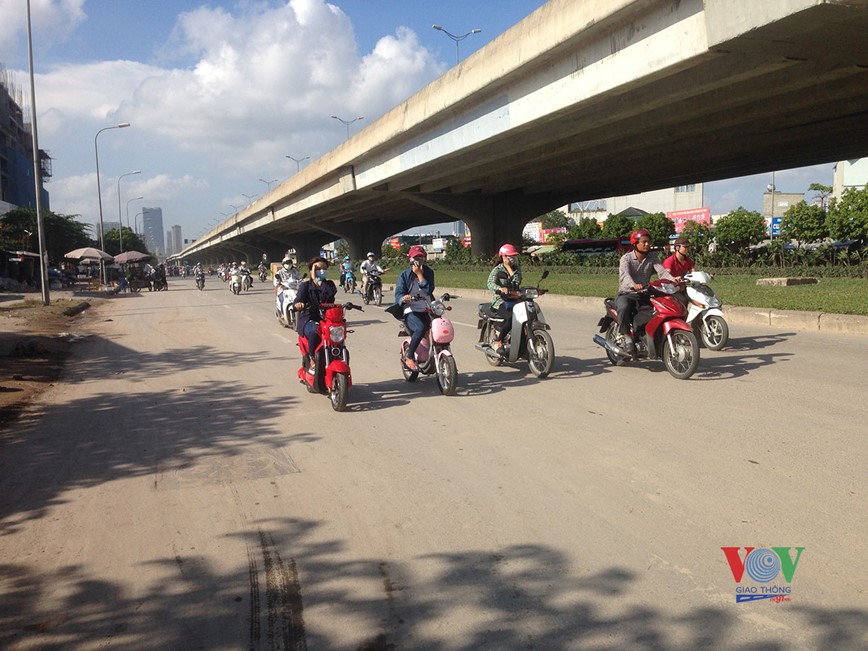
{"x": 714, "y": 332}
{"x": 491, "y": 339}
{"x": 339, "y": 392}
{"x": 447, "y": 375}
{"x": 541, "y": 353}
{"x": 612, "y": 337}
{"x": 682, "y": 358}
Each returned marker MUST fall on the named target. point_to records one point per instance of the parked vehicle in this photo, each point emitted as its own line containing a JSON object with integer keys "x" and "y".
{"x": 703, "y": 311}
{"x": 374, "y": 288}
{"x": 332, "y": 375}
{"x": 200, "y": 280}
{"x": 668, "y": 336}
{"x": 434, "y": 355}
{"x": 528, "y": 337}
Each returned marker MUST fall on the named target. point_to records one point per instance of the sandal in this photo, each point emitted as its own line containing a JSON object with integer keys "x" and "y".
{"x": 411, "y": 365}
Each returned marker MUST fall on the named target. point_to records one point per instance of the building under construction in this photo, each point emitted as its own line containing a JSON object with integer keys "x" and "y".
{"x": 17, "y": 188}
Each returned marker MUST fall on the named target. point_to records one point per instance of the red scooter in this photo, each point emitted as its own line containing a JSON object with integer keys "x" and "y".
{"x": 332, "y": 376}
{"x": 667, "y": 335}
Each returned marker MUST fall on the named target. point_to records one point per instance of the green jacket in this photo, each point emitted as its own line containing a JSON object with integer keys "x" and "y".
{"x": 499, "y": 277}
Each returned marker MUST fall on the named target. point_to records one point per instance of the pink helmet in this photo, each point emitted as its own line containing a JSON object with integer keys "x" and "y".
{"x": 507, "y": 249}
{"x": 417, "y": 251}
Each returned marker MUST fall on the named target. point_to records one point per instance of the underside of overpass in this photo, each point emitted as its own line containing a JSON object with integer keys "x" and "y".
{"x": 571, "y": 106}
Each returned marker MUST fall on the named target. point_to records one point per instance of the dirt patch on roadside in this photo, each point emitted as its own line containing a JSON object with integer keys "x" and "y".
{"x": 35, "y": 341}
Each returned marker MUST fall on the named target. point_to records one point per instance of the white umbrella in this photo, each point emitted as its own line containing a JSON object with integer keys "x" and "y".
{"x": 88, "y": 253}
{"x": 131, "y": 256}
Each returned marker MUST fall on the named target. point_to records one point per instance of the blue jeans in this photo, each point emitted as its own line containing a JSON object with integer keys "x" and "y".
{"x": 504, "y": 311}
{"x": 419, "y": 323}
{"x": 311, "y": 333}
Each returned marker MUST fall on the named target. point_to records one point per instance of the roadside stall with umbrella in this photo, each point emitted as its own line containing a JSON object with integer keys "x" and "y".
{"x": 90, "y": 254}
{"x": 137, "y": 278}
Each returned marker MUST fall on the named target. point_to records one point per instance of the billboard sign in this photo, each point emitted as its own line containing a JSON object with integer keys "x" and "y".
{"x": 681, "y": 217}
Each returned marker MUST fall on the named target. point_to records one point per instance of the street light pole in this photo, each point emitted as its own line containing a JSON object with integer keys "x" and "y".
{"x": 455, "y": 38}
{"x": 128, "y": 211}
{"x": 37, "y": 172}
{"x": 250, "y": 197}
{"x": 268, "y": 183}
{"x": 120, "y": 220}
{"x": 122, "y": 125}
{"x": 298, "y": 162}
{"x": 347, "y": 123}
{"x": 136, "y": 221}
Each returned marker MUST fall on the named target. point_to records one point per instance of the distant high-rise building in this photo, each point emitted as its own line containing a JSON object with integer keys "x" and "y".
{"x": 152, "y": 228}
{"x": 16, "y": 151}
{"x": 170, "y": 248}
{"x": 177, "y": 242}
{"x": 107, "y": 226}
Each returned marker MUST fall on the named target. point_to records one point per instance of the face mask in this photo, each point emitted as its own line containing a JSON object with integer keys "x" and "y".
{"x": 512, "y": 260}
{"x": 321, "y": 274}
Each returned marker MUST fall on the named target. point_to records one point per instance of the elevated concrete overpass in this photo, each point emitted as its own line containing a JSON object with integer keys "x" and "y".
{"x": 581, "y": 100}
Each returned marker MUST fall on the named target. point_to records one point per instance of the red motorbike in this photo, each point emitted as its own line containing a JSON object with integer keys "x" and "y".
{"x": 668, "y": 336}
{"x": 332, "y": 375}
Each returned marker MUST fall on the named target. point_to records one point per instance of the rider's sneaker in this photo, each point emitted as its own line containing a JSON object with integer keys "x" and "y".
{"x": 625, "y": 342}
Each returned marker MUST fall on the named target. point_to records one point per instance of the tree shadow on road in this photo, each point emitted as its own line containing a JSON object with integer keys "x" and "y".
{"x": 512, "y": 597}
{"x": 109, "y": 436}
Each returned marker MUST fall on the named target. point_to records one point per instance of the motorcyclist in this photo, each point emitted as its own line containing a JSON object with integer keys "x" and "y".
{"x": 346, "y": 267}
{"x": 679, "y": 263}
{"x": 283, "y": 277}
{"x": 244, "y": 271}
{"x": 503, "y": 279}
{"x": 634, "y": 273}
{"x": 312, "y": 293}
{"x": 369, "y": 264}
{"x": 263, "y": 270}
{"x": 416, "y": 280}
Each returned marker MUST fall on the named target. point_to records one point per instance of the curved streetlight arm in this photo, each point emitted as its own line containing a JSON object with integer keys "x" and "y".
{"x": 298, "y": 161}
{"x": 120, "y": 220}
{"x": 128, "y": 211}
{"x": 122, "y": 125}
{"x": 347, "y": 123}
{"x": 455, "y": 38}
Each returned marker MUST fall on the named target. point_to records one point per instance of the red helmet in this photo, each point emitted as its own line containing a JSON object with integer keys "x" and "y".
{"x": 417, "y": 251}
{"x": 635, "y": 235}
{"x": 507, "y": 249}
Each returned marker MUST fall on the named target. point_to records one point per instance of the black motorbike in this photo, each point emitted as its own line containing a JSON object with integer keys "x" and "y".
{"x": 374, "y": 289}
{"x": 200, "y": 280}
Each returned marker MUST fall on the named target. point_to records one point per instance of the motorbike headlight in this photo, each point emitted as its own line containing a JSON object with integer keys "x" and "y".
{"x": 531, "y": 293}
{"x": 438, "y": 309}
{"x": 337, "y": 334}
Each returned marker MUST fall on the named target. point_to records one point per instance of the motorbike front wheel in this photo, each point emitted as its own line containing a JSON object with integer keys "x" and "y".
{"x": 682, "y": 357}
{"x": 541, "y": 353}
{"x": 447, "y": 375}
{"x": 378, "y": 296}
{"x": 714, "y": 332}
{"x": 339, "y": 392}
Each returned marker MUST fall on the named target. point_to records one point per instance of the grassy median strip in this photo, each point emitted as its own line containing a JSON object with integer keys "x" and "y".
{"x": 831, "y": 295}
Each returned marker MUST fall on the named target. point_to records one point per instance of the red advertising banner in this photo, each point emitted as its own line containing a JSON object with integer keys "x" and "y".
{"x": 681, "y": 217}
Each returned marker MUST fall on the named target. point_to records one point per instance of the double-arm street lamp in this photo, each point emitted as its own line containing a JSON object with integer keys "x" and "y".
{"x": 347, "y": 123}
{"x": 122, "y": 125}
{"x": 298, "y": 161}
{"x": 455, "y": 38}
{"x": 120, "y": 220}
{"x": 128, "y": 211}
{"x": 268, "y": 183}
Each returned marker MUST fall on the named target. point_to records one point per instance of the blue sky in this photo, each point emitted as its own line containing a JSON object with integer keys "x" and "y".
{"x": 219, "y": 93}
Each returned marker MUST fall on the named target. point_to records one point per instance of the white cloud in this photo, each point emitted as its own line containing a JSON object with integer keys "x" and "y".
{"x": 51, "y": 20}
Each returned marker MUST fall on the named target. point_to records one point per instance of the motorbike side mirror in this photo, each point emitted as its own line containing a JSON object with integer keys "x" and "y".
{"x": 545, "y": 274}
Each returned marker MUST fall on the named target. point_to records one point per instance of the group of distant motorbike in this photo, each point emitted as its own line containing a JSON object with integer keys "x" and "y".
{"x": 679, "y": 312}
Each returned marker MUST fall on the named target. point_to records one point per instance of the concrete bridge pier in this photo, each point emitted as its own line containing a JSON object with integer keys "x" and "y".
{"x": 368, "y": 237}
{"x": 494, "y": 219}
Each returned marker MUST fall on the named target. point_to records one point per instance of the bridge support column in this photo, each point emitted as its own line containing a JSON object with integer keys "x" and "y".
{"x": 368, "y": 237}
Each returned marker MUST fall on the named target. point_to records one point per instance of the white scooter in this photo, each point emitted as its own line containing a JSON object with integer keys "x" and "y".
{"x": 704, "y": 314}
{"x": 235, "y": 281}
{"x": 285, "y": 313}
{"x": 528, "y": 337}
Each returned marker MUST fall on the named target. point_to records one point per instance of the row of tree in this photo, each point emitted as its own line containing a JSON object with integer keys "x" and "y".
{"x": 63, "y": 233}
{"x": 846, "y": 219}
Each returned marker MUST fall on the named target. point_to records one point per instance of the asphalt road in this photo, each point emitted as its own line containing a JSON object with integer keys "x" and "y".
{"x": 182, "y": 490}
